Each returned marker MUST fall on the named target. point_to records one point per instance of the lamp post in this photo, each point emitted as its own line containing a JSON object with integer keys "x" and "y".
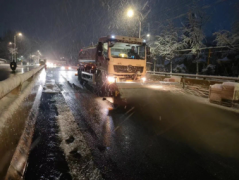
{"x": 130, "y": 14}
{"x": 11, "y": 50}
{"x": 15, "y": 45}
{"x": 39, "y": 54}
{"x": 13, "y": 64}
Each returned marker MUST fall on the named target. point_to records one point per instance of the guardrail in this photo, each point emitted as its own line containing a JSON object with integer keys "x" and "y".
{"x": 12, "y": 83}
{"x": 236, "y": 79}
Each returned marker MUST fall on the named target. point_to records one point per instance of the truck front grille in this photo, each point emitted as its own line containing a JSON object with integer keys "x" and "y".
{"x": 128, "y": 69}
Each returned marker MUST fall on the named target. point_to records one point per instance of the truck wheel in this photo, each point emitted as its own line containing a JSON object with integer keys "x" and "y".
{"x": 100, "y": 85}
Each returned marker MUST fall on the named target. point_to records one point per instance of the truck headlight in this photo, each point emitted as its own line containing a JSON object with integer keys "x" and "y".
{"x": 143, "y": 79}
{"x": 111, "y": 79}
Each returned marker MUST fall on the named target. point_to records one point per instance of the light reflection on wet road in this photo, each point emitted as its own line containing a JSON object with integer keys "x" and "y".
{"x": 160, "y": 135}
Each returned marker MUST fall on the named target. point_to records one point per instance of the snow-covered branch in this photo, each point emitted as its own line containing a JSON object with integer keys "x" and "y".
{"x": 167, "y": 43}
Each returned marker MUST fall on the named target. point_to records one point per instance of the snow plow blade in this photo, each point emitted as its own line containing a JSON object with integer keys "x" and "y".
{"x": 124, "y": 88}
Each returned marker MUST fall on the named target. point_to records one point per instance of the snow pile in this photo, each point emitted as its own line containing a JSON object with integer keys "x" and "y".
{"x": 216, "y": 87}
{"x": 78, "y": 156}
{"x": 233, "y": 84}
{"x": 180, "y": 69}
{"x": 51, "y": 87}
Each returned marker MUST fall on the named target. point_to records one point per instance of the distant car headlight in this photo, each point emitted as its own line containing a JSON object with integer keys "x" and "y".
{"x": 111, "y": 79}
{"x": 62, "y": 67}
{"x": 69, "y": 68}
{"x": 143, "y": 79}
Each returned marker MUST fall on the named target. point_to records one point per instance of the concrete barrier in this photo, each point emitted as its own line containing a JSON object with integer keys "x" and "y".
{"x": 226, "y": 92}
{"x": 18, "y": 110}
{"x": 230, "y": 91}
{"x": 176, "y": 78}
{"x": 10, "y": 84}
{"x": 215, "y": 92}
{"x": 169, "y": 80}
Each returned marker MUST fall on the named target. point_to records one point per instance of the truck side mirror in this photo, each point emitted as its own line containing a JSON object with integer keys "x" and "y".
{"x": 100, "y": 49}
{"x": 148, "y": 50}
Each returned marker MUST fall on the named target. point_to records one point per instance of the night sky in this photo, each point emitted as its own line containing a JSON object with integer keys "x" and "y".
{"x": 61, "y": 26}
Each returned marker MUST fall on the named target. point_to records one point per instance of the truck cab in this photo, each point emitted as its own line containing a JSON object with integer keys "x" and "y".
{"x": 113, "y": 60}
{"x": 123, "y": 58}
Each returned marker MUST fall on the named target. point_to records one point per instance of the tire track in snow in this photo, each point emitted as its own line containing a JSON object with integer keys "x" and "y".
{"x": 78, "y": 155}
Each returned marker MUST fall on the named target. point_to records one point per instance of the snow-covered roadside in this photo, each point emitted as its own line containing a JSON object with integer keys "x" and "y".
{"x": 77, "y": 153}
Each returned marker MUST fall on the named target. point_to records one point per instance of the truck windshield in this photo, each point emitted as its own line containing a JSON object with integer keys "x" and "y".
{"x": 128, "y": 51}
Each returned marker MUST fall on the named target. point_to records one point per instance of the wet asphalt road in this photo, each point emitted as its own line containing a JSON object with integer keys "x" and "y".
{"x": 46, "y": 160}
{"x": 6, "y": 72}
{"x": 161, "y": 134}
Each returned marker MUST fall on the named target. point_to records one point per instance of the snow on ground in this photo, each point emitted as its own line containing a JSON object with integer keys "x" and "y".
{"x": 78, "y": 155}
{"x": 51, "y": 87}
{"x": 216, "y": 86}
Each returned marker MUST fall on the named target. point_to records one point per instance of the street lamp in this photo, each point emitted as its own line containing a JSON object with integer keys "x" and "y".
{"x": 148, "y": 35}
{"x": 130, "y": 13}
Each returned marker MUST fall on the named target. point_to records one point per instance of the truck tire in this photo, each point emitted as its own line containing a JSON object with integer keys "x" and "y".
{"x": 100, "y": 85}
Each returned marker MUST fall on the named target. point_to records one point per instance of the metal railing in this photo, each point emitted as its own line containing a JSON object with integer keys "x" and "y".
{"x": 236, "y": 79}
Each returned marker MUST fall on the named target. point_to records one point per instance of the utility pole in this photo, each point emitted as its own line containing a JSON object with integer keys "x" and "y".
{"x": 140, "y": 28}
